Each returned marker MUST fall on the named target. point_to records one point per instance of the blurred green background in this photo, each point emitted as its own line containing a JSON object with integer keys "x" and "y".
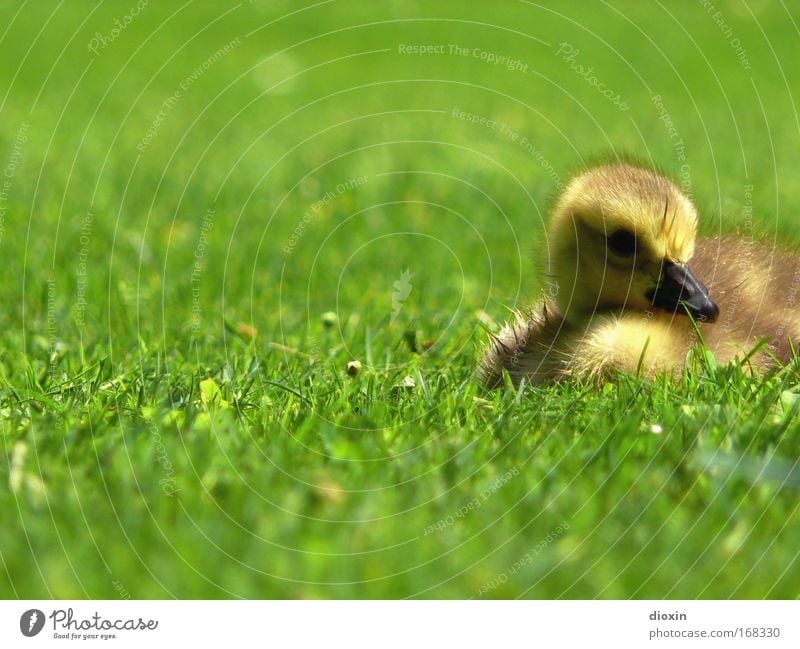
{"x": 191, "y": 187}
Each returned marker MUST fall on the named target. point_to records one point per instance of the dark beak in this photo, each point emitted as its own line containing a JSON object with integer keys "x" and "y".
{"x": 679, "y": 291}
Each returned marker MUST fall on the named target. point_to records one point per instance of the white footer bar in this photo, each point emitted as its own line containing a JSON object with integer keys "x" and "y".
{"x": 400, "y": 624}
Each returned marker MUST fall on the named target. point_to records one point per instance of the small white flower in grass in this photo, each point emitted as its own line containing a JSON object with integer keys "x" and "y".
{"x": 656, "y": 429}
{"x": 408, "y": 384}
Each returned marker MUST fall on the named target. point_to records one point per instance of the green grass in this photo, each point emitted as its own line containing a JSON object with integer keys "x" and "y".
{"x": 153, "y": 447}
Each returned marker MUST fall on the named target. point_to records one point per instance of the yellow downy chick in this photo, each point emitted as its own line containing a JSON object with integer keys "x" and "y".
{"x": 635, "y": 285}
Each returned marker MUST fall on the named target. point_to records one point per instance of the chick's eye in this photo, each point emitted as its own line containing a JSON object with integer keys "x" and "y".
{"x": 622, "y": 242}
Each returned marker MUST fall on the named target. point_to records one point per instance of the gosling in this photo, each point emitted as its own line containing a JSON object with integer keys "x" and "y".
{"x": 635, "y": 290}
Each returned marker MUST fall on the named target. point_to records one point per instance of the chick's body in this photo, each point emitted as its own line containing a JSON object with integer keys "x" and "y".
{"x": 622, "y": 242}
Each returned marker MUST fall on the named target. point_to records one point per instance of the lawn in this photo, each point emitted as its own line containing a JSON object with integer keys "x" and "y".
{"x": 211, "y": 213}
